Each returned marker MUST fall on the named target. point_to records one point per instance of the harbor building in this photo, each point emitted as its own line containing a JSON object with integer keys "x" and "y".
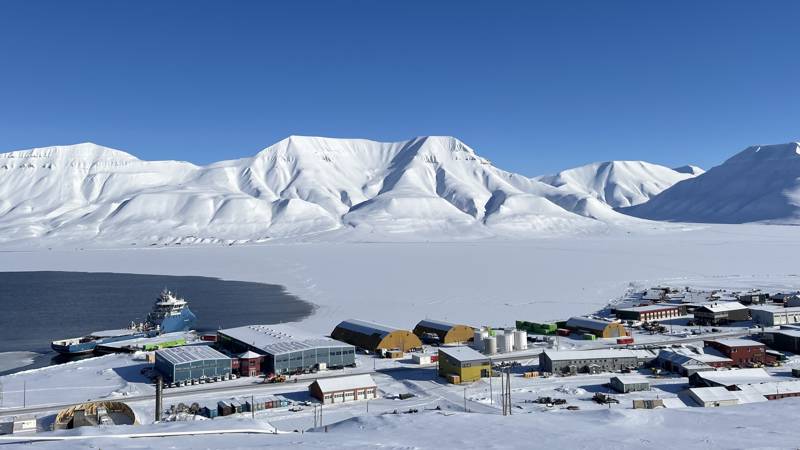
{"x": 285, "y": 349}
{"x": 194, "y": 362}
{"x": 373, "y": 336}
{"x": 344, "y": 389}
{"x": 448, "y": 333}
{"x": 463, "y": 364}
{"x": 599, "y": 328}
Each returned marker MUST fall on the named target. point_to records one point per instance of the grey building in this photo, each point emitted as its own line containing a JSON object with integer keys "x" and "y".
{"x": 193, "y": 362}
{"x": 629, "y": 383}
{"x": 287, "y": 349}
{"x": 785, "y": 340}
{"x": 770, "y": 316}
{"x": 753, "y": 298}
{"x": 591, "y": 361}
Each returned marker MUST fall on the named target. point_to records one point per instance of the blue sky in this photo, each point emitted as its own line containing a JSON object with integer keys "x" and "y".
{"x": 534, "y": 86}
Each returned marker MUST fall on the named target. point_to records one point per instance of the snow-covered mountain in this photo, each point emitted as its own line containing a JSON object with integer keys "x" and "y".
{"x": 428, "y": 186}
{"x": 618, "y": 183}
{"x": 690, "y": 169}
{"x": 759, "y": 184}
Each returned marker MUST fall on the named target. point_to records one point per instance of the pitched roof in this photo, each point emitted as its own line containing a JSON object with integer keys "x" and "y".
{"x": 345, "y": 383}
{"x": 631, "y": 379}
{"x": 436, "y": 324}
{"x": 736, "y": 377}
{"x": 279, "y": 338}
{"x": 368, "y": 328}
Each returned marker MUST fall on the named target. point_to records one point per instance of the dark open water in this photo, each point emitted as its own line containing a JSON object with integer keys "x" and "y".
{"x": 40, "y": 307}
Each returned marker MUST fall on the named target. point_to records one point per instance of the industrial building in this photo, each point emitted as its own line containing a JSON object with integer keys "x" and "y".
{"x": 730, "y": 379}
{"x": 743, "y": 352}
{"x": 286, "y": 349}
{"x": 592, "y": 361}
{"x": 770, "y": 316}
{"x": 463, "y": 364}
{"x": 344, "y": 389}
{"x": 373, "y": 337}
{"x": 686, "y": 362}
{"x": 599, "y": 328}
{"x": 773, "y": 390}
{"x": 719, "y": 313}
{"x": 714, "y": 397}
{"x": 448, "y": 333}
{"x": 785, "y": 340}
{"x": 92, "y": 414}
{"x": 194, "y": 362}
{"x": 753, "y": 298}
{"x": 629, "y": 383}
{"x": 546, "y": 328}
{"x": 650, "y": 313}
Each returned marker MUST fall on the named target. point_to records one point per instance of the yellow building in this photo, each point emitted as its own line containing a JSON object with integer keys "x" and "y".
{"x": 463, "y": 362}
{"x": 448, "y": 333}
{"x": 599, "y": 328}
{"x": 374, "y": 337}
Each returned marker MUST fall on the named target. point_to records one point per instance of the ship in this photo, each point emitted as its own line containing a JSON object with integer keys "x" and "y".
{"x": 170, "y": 314}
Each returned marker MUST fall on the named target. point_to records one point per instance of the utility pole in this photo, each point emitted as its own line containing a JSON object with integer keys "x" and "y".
{"x": 253, "y": 406}
{"x": 491, "y": 375}
{"x": 465, "y": 400}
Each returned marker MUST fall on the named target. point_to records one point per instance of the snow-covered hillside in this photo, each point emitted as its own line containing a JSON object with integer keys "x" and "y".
{"x": 617, "y": 183}
{"x": 761, "y": 183}
{"x": 421, "y": 188}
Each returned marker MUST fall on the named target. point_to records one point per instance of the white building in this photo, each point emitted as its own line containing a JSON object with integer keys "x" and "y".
{"x": 712, "y": 397}
{"x": 344, "y": 389}
{"x": 770, "y": 316}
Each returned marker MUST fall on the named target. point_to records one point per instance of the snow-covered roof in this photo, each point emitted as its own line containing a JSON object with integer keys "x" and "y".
{"x": 647, "y": 308}
{"x": 791, "y": 333}
{"x": 463, "y": 353}
{"x": 248, "y": 355}
{"x": 713, "y": 394}
{"x": 189, "y": 353}
{"x": 567, "y": 355}
{"x": 436, "y": 324}
{"x": 587, "y": 323}
{"x": 736, "y": 376}
{"x": 631, "y": 379}
{"x": 724, "y": 306}
{"x": 368, "y": 328}
{"x": 686, "y": 357}
{"x": 736, "y": 342}
{"x": 338, "y": 384}
{"x": 280, "y": 339}
{"x": 776, "y": 309}
{"x": 772, "y": 387}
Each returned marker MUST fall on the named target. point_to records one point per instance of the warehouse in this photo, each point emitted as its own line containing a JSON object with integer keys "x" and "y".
{"x": 686, "y": 362}
{"x": 589, "y": 361}
{"x": 773, "y": 390}
{"x": 373, "y": 337}
{"x": 650, "y": 312}
{"x": 286, "y": 349}
{"x": 344, "y": 389}
{"x": 770, "y": 316}
{"x": 753, "y": 298}
{"x": 785, "y": 340}
{"x": 714, "y": 397}
{"x": 448, "y": 333}
{"x": 629, "y": 383}
{"x": 721, "y": 313}
{"x": 462, "y": 364}
{"x": 743, "y": 352}
{"x": 599, "y": 328}
{"x": 194, "y": 362}
{"x": 730, "y": 379}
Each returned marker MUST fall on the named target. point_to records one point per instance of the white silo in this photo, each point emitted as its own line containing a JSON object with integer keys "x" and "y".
{"x": 490, "y": 345}
{"x": 520, "y": 340}
{"x": 508, "y": 341}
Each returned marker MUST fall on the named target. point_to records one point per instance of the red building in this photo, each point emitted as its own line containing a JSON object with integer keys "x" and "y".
{"x": 743, "y": 352}
{"x": 249, "y": 364}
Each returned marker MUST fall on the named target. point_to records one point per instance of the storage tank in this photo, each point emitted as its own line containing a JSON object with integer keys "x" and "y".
{"x": 490, "y": 345}
{"x": 477, "y": 340}
{"x": 506, "y": 343}
{"x": 520, "y": 340}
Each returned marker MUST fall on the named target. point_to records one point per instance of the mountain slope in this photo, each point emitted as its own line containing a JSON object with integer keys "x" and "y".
{"x": 424, "y": 187}
{"x": 617, "y": 183}
{"x": 761, "y": 183}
